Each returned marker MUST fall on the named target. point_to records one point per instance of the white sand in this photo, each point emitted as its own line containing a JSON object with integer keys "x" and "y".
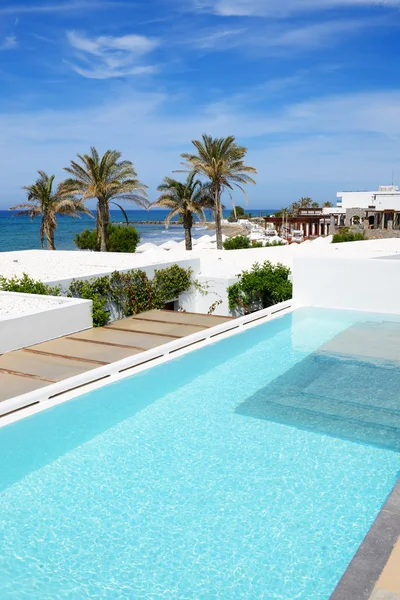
{"x": 16, "y": 306}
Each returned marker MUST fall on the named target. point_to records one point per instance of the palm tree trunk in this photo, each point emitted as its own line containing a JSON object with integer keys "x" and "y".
{"x": 50, "y": 238}
{"x": 188, "y": 238}
{"x": 217, "y": 212}
{"x": 188, "y": 224}
{"x": 103, "y": 217}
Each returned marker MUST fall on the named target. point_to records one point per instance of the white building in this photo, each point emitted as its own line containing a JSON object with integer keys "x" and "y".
{"x": 387, "y": 197}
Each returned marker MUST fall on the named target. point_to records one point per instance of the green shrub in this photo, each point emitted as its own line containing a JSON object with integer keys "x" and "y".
{"x": 263, "y": 286}
{"x": 87, "y": 240}
{"x": 121, "y": 238}
{"x": 131, "y": 293}
{"x": 237, "y": 243}
{"x": 27, "y": 285}
{"x": 347, "y": 237}
{"x": 240, "y": 214}
{"x": 268, "y": 244}
{"x": 94, "y": 290}
{"x": 171, "y": 282}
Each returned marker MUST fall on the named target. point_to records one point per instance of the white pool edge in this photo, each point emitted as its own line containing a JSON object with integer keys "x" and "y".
{"x": 49, "y": 396}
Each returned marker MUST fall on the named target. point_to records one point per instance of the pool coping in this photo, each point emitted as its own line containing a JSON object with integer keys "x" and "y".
{"x": 362, "y": 574}
{"x": 25, "y": 405}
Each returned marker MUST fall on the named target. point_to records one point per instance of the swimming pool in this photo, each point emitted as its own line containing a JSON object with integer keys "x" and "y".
{"x": 252, "y": 468}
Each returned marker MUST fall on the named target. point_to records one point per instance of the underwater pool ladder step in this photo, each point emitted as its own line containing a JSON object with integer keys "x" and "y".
{"x": 322, "y": 423}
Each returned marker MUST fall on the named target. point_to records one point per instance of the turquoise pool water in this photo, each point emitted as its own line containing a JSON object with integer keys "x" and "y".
{"x": 244, "y": 470}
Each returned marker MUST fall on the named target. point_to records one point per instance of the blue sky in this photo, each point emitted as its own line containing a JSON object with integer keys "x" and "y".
{"x": 309, "y": 86}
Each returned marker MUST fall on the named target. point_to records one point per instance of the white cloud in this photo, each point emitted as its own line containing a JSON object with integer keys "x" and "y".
{"x": 56, "y": 7}
{"x": 8, "y": 43}
{"x": 106, "y": 57}
{"x": 283, "y": 8}
{"x": 278, "y": 37}
{"x": 332, "y": 142}
{"x": 216, "y": 39}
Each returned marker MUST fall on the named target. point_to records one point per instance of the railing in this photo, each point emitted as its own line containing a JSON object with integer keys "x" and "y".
{"x": 138, "y": 362}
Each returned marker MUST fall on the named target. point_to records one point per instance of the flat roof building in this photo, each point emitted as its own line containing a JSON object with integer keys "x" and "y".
{"x": 386, "y": 197}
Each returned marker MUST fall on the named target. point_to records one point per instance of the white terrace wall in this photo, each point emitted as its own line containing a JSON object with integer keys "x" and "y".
{"x": 216, "y": 288}
{"x": 68, "y": 315}
{"x": 371, "y": 284}
{"x": 193, "y": 263}
{"x": 186, "y": 302}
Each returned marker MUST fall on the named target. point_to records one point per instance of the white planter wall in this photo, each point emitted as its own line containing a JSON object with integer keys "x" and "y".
{"x": 216, "y": 290}
{"x": 41, "y": 325}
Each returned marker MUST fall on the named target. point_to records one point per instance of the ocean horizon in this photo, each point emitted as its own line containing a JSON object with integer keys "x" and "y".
{"x": 20, "y": 233}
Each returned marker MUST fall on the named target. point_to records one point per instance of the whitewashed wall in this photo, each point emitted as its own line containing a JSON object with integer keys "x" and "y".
{"x": 45, "y": 324}
{"x": 193, "y": 263}
{"x": 216, "y": 288}
{"x": 371, "y": 284}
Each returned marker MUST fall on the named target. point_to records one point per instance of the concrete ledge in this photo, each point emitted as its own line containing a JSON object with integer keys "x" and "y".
{"x": 40, "y": 324}
{"x": 363, "y": 572}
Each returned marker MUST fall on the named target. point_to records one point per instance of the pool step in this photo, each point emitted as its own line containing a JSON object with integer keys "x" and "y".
{"x": 363, "y": 414}
{"x": 341, "y": 396}
{"x": 318, "y": 422}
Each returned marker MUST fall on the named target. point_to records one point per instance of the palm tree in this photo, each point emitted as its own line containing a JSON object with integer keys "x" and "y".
{"x": 105, "y": 179}
{"x": 314, "y": 205}
{"x": 327, "y": 205}
{"x": 305, "y": 202}
{"x": 220, "y": 160}
{"x": 44, "y": 202}
{"x": 186, "y": 199}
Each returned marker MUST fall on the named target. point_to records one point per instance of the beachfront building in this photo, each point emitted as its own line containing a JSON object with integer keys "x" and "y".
{"x": 312, "y": 222}
{"x": 376, "y": 209}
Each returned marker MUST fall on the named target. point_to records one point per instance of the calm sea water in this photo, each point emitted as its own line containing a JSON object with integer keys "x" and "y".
{"x": 20, "y": 233}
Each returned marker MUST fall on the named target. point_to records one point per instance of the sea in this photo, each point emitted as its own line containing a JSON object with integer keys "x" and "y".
{"x": 20, "y": 233}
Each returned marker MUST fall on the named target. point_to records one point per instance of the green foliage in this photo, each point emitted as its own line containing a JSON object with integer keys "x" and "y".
{"x": 274, "y": 243}
{"x": 94, "y": 290}
{"x": 263, "y": 286}
{"x": 267, "y": 244}
{"x": 347, "y": 236}
{"x": 236, "y": 243}
{"x": 87, "y": 239}
{"x": 130, "y": 293}
{"x": 240, "y": 214}
{"x": 120, "y": 238}
{"x": 27, "y": 285}
{"x": 171, "y": 282}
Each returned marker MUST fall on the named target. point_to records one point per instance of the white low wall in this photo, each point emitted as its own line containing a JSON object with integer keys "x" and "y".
{"x": 370, "y": 284}
{"x": 215, "y": 294}
{"x": 192, "y": 263}
{"x": 68, "y": 315}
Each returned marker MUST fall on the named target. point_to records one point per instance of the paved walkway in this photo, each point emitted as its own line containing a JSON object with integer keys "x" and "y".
{"x": 32, "y": 368}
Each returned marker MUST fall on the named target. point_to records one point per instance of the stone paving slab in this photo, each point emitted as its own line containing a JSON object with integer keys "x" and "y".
{"x": 121, "y": 338}
{"x": 88, "y": 351}
{"x": 172, "y": 330}
{"x": 45, "y": 367}
{"x": 384, "y": 595}
{"x": 182, "y": 318}
{"x": 14, "y": 385}
{"x": 26, "y": 370}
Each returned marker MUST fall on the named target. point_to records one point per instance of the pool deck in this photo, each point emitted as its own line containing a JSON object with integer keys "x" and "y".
{"x": 41, "y": 365}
